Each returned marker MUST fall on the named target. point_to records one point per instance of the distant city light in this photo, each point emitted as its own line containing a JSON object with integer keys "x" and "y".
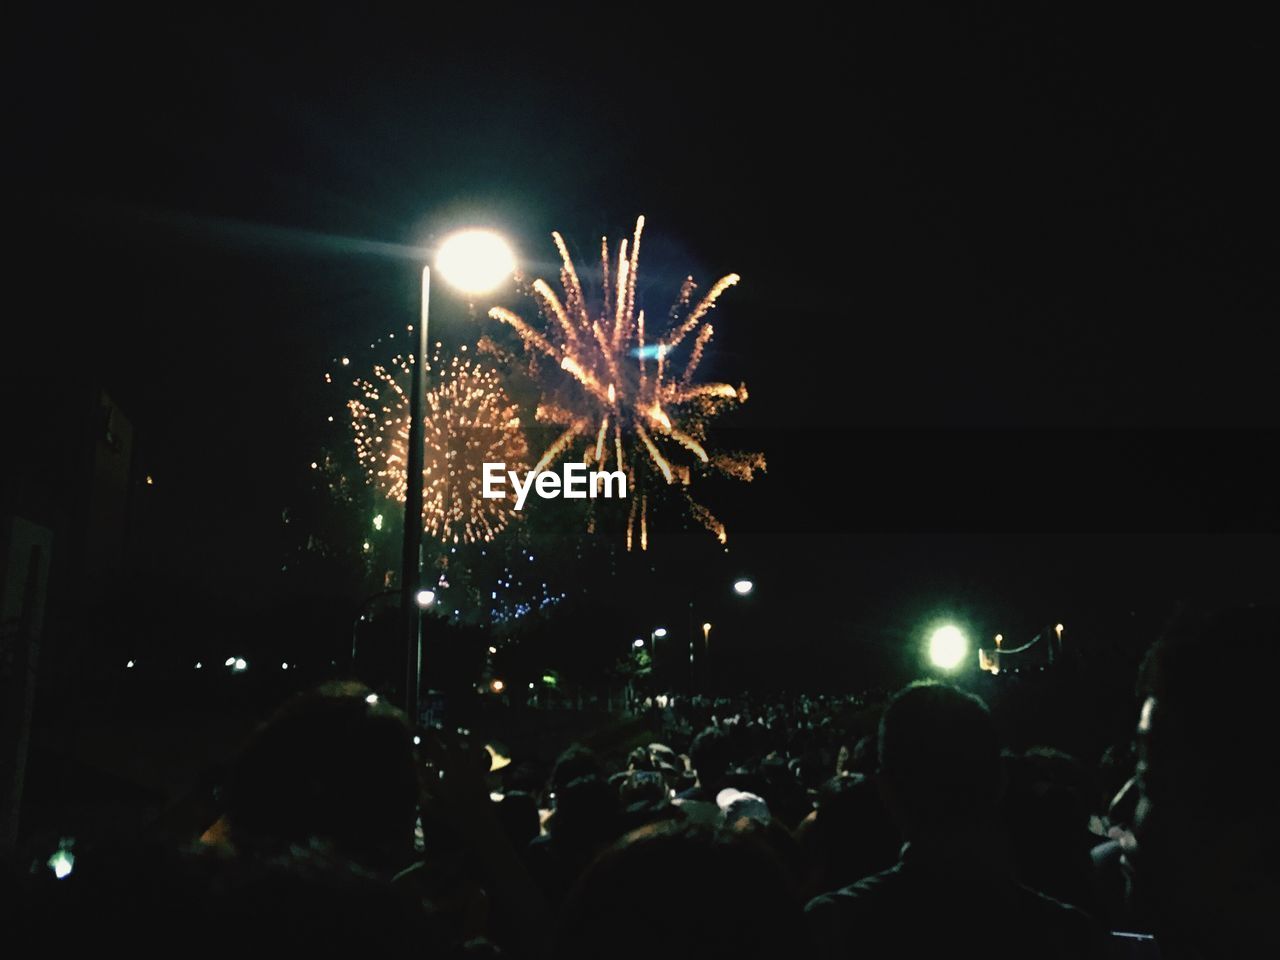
{"x": 371, "y": 698}
{"x": 743, "y": 587}
{"x": 493, "y": 649}
{"x": 638, "y": 642}
{"x": 199, "y": 665}
{"x": 231, "y": 662}
{"x": 241, "y": 665}
{"x": 497, "y": 686}
{"x": 426, "y": 598}
{"x": 660, "y": 632}
{"x": 284, "y": 666}
{"x": 947, "y": 647}
{"x": 377, "y": 522}
{"x": 129, "y": 665}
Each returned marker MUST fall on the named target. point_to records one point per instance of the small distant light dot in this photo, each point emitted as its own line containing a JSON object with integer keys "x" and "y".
{"x": 129, "y": 665}
{"x": 371, "y": 698}
{"x": 199, "y": 665}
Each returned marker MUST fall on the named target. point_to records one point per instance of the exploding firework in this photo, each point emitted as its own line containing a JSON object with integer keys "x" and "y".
{"x": 470, "y": 420}
{"x": 632, "y": 402}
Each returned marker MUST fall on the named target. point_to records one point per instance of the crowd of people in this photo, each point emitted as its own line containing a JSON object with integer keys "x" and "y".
{"x": 736, "y": 827}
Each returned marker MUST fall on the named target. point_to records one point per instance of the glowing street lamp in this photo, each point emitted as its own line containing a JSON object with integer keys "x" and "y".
{"x": 743, "y": 587}
{"x": 948, "y": 647}
{"x": 475, "y": 262}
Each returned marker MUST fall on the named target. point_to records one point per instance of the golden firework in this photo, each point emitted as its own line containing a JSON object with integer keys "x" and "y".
{"x": 470, "y": 420}
{"x": 631, "y": 400}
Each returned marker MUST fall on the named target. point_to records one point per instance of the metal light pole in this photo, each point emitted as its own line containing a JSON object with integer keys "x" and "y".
{"x": 475, "y": 262}
{"x": 411, "y": 564}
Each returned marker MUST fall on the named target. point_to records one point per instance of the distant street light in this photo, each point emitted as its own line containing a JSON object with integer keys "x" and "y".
{"x": 743, "y": 587}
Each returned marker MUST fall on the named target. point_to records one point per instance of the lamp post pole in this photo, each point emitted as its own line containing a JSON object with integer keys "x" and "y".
{"x": 411, "y": 566}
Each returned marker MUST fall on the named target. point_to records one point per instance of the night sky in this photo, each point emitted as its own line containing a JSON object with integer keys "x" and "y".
{"x": 1007, "y": 275}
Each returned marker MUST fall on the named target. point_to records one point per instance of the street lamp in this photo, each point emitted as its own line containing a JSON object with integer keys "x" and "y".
{"x": 948, "y": 647}
{"x": 743, "y": 587}
{"x": 475, "y": 262}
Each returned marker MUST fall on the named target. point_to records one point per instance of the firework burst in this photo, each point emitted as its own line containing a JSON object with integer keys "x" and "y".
{"x": 630, "y": 401}
{"x": 470, "y": 420}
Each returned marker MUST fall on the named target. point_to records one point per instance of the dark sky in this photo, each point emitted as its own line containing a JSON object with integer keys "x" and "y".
{"x": 1007, "y": 268}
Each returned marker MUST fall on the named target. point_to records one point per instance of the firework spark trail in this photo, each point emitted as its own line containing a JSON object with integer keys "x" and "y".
{"x": 654, "y": 416}
{"x": 469, "y": 421}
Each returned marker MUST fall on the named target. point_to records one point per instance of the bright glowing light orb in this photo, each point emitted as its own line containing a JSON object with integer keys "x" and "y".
{"x": 475, "y": 261}
{"x": 62, "y": 863}
{"x": 426, "y": 598}
{"x": 948, "y": 647}
{"x": 660, "y": 632}
{"x": 743, "y": 587}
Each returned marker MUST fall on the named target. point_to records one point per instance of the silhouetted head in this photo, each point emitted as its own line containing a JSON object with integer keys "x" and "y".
{"x": 336, "y": 763}
{"x": 575, "y": 762}
{"x": 939, "y": 759}
{"x": 1208, "y": 763}
{"x": 676, "y": 891}
{"x": 518, "y": 813}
